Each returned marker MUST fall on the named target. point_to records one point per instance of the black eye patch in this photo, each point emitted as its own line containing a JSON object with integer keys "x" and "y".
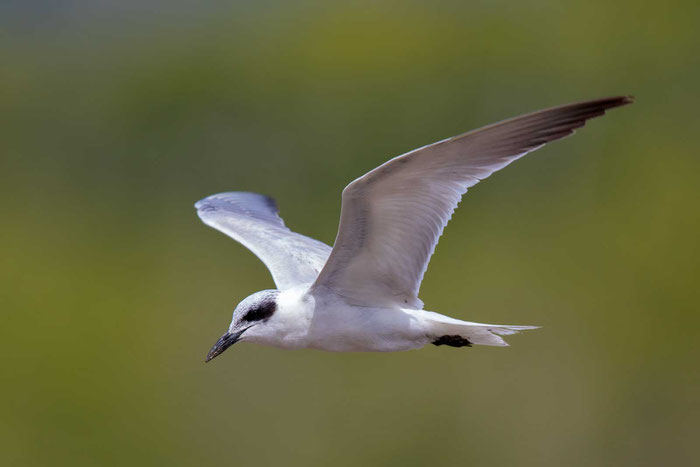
{"x": 263, "y": 312}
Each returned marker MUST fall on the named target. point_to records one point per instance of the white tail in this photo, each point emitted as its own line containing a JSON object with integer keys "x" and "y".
{"x": 444, "y": 327}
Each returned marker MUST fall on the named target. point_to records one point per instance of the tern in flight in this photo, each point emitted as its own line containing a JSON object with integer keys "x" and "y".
{"x": 362, "y": 294}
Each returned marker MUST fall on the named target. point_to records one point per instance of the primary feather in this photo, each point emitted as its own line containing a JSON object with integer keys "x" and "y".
{"x": 392, "y": 217}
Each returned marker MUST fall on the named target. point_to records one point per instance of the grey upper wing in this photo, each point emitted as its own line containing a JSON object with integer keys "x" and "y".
{"x": 392, "y": 216}
{"x": 252, "y": 219}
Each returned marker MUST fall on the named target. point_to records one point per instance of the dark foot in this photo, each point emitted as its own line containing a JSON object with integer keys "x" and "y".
{"x": 453, "y": 341}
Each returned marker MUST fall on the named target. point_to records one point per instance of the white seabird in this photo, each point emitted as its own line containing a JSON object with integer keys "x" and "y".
{"x": 362, "y": 294}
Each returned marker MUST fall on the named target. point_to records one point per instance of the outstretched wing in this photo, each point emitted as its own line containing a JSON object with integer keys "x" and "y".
{"x": 392, "y": 217}
{"x": 252, "y": 220}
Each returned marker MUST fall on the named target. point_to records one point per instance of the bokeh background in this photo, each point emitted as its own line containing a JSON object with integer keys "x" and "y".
{"x": 115, "y": 117}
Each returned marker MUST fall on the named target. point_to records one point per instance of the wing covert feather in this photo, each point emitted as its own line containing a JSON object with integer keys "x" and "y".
{"x": 393, "y": 216}
{"x": 253, "y": 220}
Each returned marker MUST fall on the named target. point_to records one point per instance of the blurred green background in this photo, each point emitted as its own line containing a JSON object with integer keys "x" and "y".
{"x": 115, "y": 117}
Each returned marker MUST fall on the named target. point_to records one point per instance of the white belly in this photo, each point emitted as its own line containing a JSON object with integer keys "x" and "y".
{"x": 303, "y": 321}
{"x": 354, "y": 329}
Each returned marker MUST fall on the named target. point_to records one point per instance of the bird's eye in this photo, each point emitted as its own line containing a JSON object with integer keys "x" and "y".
{"x": 260, "y": 313}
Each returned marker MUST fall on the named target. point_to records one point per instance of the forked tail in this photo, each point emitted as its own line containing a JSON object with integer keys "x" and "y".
{"x": 457, "y": 333}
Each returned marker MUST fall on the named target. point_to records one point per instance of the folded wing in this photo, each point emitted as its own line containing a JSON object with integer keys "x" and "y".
{"x": 392, "y": 217}
{"x": 253, "y": 220}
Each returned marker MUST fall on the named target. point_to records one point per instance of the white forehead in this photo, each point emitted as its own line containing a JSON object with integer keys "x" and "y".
{"x": 256, "y": 299}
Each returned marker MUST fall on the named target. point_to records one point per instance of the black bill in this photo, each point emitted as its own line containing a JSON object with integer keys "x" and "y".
{"x": 226, "y": 341}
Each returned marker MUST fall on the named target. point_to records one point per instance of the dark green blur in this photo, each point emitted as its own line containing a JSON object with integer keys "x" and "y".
{"x": 116, "y": 118}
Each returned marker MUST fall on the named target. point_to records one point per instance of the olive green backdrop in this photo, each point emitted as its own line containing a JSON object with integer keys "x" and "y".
{"x": 116, "y": 117}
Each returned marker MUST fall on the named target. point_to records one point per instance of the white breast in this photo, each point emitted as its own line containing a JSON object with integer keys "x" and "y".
{"x": 327, "y": 323}
{"x": 339, "y": 327}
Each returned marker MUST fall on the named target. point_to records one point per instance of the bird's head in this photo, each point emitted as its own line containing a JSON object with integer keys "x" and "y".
{"x": 254, "y": 311}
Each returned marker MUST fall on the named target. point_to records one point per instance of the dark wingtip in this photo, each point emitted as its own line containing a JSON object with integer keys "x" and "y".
{"x": 617, "y": 101}
{"x": 624, "y": 100}
{"x": 271, "y": 202}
